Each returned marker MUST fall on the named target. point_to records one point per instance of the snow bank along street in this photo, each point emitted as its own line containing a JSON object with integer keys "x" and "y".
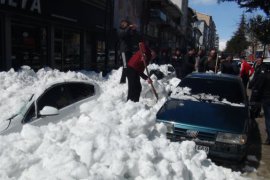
{"x": 109, "y": 139}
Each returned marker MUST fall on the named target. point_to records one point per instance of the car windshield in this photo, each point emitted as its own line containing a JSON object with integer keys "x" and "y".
{"x": 22, "y": 109}
{"x": 229, "y": 90}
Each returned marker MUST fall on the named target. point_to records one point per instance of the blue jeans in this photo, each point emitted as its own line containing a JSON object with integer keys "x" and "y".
{"x": 266, "y": 110}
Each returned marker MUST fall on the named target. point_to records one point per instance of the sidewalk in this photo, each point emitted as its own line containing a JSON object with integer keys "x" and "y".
{"x": 263, "y": 169}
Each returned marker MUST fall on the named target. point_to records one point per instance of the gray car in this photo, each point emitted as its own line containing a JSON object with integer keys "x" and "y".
{"x": 57, "y": 102}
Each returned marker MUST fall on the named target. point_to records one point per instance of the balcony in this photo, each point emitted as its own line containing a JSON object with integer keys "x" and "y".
{"x": 168, "y": 7}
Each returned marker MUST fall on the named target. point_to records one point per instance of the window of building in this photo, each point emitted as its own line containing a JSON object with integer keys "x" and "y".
{"x": 29, "y": 45}
{"x": 67, "y": 54}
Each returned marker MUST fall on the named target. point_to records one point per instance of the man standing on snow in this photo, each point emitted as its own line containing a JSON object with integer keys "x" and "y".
{"x": 135, "y": 70}
{"x": 128, "y": 44}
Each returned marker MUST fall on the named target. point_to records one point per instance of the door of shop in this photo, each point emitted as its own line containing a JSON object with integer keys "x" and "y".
{"x": 67, "y": 49}
{"x": 29, "y": 45}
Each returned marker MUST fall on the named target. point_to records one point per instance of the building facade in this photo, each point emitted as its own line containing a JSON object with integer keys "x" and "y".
{"x": 82, "y": 34}
{"x": 61, "y": 34}
{"x": 208, "y": 28}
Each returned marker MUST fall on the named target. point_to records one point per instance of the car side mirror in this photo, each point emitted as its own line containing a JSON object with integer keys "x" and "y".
{"x": 48, "y": 111}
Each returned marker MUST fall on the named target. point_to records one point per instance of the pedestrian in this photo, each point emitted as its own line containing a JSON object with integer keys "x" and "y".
{"x": 129, "y": 39}
{"x": 245, "y": 71}
{"x": 155, "y": 58}
{"x": 188, "y": 63}
{"x": 258, "y": 65}
{"x": 135, "y": 70}
{"x": 201, "y": 60}
{"x": 227, "y": 66}
{"x": 177, "y": 62}
{"x": 261, "y": 94}
{"x": 211, "y": 63}
{"x": 164, "y": 58}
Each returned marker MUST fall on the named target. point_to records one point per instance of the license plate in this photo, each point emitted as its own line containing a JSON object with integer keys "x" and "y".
{"x": 204, "y": 148}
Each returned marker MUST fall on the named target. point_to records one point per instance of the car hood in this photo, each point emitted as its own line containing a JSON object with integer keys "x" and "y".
{"x": 217, "y": 117}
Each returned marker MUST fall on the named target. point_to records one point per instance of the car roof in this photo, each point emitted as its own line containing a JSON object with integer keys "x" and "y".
{"x": 266, "y": 60}
{"x": 214, "y": 76}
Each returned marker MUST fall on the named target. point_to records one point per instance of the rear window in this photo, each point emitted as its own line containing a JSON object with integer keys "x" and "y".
{"x": 229, "y": 90}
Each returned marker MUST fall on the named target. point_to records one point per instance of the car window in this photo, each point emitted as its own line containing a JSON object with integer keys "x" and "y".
{"x": 229, "y": 90}
{"x": 79, "y": 91}
{"x": 57, "y": 96}
{"x": 29, "y": 116}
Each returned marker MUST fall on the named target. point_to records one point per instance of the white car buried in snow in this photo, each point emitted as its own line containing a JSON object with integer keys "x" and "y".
{"x": 59, "y": 101}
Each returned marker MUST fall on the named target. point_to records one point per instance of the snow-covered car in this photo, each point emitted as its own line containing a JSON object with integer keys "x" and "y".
{"x": 57, "y": 102}
{"x": 213, "y": 111}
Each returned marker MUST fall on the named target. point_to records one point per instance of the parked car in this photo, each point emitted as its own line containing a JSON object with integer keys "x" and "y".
{"x": 59, "y": 101}
{"x": 267, "y": 61}
{"x": 219, "y": 125}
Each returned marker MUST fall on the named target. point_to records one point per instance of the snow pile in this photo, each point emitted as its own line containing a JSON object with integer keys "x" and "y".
{"x": 185, "y": 94}
{"x": 109, "y": 139}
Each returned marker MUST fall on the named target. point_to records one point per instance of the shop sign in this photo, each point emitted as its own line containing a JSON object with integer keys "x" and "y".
{"x": 30, "y": 5}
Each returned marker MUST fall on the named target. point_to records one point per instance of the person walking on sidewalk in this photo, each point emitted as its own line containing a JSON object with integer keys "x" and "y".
{"x": 261, "y": 93}
{"x": 135, "y": 70}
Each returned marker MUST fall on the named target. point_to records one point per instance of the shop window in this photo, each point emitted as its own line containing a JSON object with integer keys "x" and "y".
{"x": 67, "y": 54}
{"x": 29, "y": 46}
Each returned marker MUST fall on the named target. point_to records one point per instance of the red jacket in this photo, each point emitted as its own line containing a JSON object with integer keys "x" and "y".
{"x": 246, "y": 69}
{"x": 136, "y": 61}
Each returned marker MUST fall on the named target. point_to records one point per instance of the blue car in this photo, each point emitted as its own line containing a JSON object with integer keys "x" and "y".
{"x": 214, "y": 113}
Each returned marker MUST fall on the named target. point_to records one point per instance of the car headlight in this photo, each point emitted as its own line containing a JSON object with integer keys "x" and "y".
{"x": 232, "y": 138}
{"x": 170, "y": 127}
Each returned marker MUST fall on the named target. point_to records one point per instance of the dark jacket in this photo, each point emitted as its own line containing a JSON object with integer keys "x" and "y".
{"x": 128, "y": 41}
{"x": 257, "y": 70}
{"x": 201, "y": 66}
{"x": 210, "y": 64}
{"x": 177, "y": 61}
{"x": 261, "y": 87}
{"x": 188, "y": 65}
{"x": 228, "y": 67}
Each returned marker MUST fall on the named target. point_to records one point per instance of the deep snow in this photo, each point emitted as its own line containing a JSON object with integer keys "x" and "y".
{"x": 109, "y": 139}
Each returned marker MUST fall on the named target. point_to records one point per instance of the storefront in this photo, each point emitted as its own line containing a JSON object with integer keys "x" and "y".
{"x": 60, "y": 34}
